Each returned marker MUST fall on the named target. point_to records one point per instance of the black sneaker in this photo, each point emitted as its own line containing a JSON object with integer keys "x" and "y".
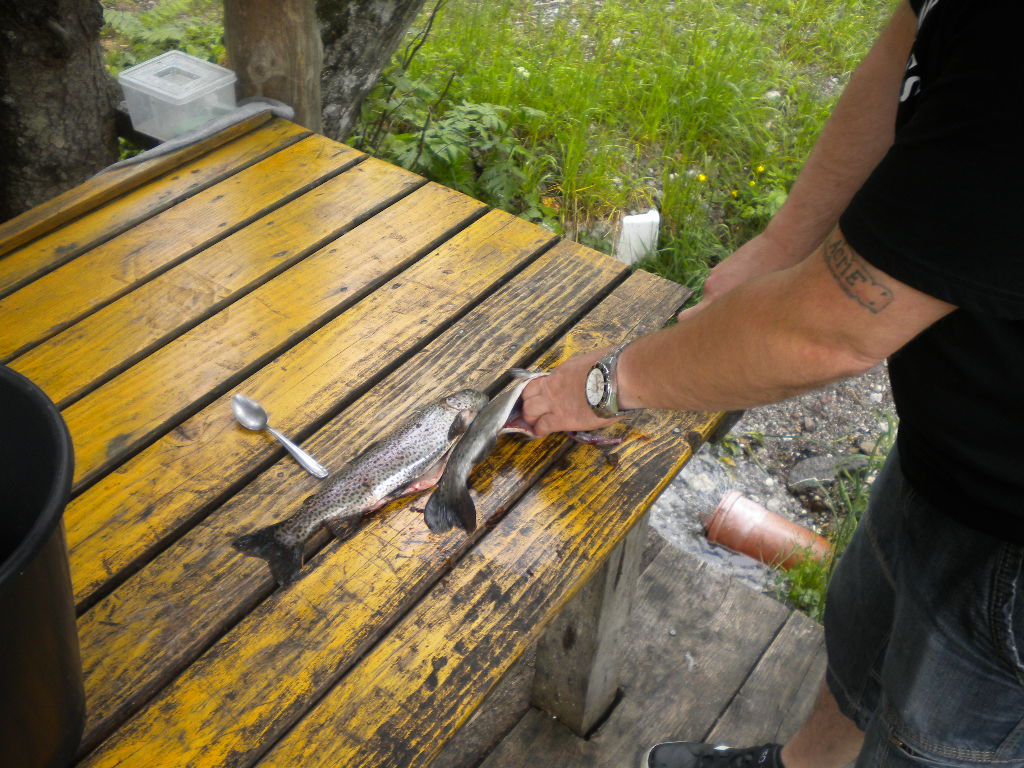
{"x": 691, "y": 754}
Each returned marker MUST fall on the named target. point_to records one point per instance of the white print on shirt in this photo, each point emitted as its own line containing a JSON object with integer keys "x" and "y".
{"x": 912, "y": 82}
{"x": 924, "y": 11}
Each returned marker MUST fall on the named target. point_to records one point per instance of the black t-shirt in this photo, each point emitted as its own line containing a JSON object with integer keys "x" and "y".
{"x": 943, "y": 213}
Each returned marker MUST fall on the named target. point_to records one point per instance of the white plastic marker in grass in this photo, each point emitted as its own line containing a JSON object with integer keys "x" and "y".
{"x": 638, "y": 236}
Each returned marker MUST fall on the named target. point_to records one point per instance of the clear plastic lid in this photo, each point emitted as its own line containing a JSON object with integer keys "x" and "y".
{"x": 176, "y": 77}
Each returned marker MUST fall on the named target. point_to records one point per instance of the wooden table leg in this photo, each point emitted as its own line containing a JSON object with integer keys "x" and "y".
{"x": 578, "y": 657}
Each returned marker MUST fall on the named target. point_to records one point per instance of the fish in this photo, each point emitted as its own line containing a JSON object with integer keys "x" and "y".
{"x": 409, "y": 459}
{"x": 450, "y": 504}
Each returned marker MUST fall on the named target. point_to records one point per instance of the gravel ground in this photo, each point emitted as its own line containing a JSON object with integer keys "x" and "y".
{"x": 758, "y": 458}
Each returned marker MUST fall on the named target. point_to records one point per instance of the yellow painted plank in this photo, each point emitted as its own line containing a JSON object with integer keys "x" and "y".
{"x": 54, "y": 249}
{"x": 146, "y": 400}
{"x": 229, "y": 705}
{"x": 107, "y": 531}
{"x": 119, "y": 333}
{"x": 99, "y": 189}
{"x": 59, "y": 298}
{"x": 400, "y": 704}
{"x": 148, "y": 629}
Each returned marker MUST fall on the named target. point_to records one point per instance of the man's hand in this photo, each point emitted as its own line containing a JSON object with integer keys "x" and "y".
{"x": 558, "y": 402}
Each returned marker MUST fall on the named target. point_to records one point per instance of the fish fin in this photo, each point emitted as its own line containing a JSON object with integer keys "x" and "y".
{"x": 429, "y": 478}
{"x": 448, "y": 506}
{"x": 285, "y": 561}
{"x": 459, "y": 426}
{"x": 465, "y": 509}
{"x": 437, "y": 515}
{"x": 343, "y": 527}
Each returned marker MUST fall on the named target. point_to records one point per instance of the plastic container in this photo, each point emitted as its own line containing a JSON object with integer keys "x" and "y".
{"x": 638, "y": 236}
{"x": 42, "y": 701}
{"x": 174, "y": 93}
{"x": 745, "y": 526}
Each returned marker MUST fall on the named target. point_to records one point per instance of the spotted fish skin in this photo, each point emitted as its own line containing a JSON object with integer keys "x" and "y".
{"x": 409, "y": 459}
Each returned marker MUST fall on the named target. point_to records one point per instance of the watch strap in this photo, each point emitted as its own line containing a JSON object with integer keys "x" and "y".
{"x": 608, "y": 408}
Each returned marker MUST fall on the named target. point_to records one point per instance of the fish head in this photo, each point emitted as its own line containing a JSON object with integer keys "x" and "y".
{"x": 466, "y": 400}
{"x": 466, "y": 404}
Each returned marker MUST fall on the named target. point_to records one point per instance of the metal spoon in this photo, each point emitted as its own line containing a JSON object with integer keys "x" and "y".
{"x": 251, "y": 415}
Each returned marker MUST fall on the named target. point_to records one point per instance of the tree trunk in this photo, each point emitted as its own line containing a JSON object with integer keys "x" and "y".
{"x": 57, "y": 105}
{"x": 359, "y": 37}
{"x": 274, "y": 48}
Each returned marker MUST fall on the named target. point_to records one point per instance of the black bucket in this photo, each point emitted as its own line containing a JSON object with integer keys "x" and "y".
{"x": 42, "y": 702}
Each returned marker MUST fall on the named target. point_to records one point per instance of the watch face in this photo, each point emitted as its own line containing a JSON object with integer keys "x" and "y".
{"x": 595, "y": 386}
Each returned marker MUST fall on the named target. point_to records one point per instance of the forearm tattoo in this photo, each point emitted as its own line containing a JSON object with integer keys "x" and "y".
{"x": 854, "y": 276}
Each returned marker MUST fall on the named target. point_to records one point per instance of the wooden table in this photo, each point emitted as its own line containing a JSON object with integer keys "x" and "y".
{"x": 340, "y": 292}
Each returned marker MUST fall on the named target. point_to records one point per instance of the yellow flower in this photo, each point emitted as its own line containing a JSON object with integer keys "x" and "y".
{"x": 760, "y": 169}
{"x": 752, "y": 183}
{"x": 735, "y": 193}
{"x": 701, "y": 177}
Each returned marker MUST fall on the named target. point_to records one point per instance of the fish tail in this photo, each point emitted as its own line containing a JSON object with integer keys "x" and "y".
{"x": 450, "y": 505}
{"x": 284, "y": 560}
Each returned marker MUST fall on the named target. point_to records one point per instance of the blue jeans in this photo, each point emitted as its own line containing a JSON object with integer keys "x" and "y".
{"x": 924, "y": 627}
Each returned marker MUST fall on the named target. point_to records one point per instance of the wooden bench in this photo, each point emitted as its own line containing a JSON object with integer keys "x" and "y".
{"x": 340, "y": 292}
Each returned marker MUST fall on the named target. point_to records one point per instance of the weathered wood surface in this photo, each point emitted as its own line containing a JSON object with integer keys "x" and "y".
{"x": 106, "y": 186}
{"x": 778, "y": 695}
{"x": 428, "y": 675}
{"x": 60, "y": 246}
{"x": 709, "y": 659}
{"x": 579, "y": 668}
{"x": 150, "y": 397}
{"x": 121, "y": 333}
{"x": 156, "y": 638}
{"x": 340, "y": 292}
{"x": 377, "y": 568}
{"x": 53, "y": 301}
{"x": 327, "y": 366}
{"x": 504, "y": 706}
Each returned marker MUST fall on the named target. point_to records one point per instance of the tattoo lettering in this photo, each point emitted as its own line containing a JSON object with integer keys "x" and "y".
{"x": 854, "y": 276}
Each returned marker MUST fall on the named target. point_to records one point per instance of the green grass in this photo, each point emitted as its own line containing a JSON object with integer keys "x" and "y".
{"x": 618, "y": 105}
{"x": 573, "y": 113}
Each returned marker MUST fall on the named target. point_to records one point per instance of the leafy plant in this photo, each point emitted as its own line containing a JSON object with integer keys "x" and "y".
{"x": 755, "y": 201}
{"x": 804, "y": 587}
{"x": 192, "y": 26}
{"x": 471, "y": 147}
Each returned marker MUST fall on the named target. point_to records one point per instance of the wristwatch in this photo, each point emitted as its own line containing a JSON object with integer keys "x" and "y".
{"x": 602, "y": 386}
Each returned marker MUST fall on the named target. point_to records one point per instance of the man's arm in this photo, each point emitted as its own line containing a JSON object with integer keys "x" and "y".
{"x": 852, "y": 142}
{"x": 790, "y": 331}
